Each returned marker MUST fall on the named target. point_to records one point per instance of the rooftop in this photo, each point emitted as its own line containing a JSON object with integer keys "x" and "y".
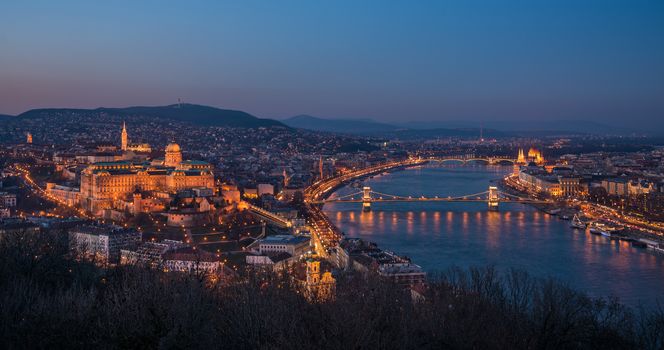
{"x": 285, "y": 239}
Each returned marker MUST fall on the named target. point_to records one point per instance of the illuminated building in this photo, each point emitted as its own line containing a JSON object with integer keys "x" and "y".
{"x": 570, "y": 186}
{"x": 173, "y": 155}
{"x": 64, "y": 194}
{"x": 535, "y": 155}
{"x": 124, "y": 137}
{"x": 521, "y": 159}
{"x": 293, "y": 245}
{"x": 318, "y": 287}
{"x": 28, "y": 138}
{"x": 102, "y": 183}
{"x": 125, "y": 146}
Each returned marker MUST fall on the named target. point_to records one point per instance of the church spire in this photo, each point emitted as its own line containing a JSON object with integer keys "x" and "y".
{"x": 124, "y": 137}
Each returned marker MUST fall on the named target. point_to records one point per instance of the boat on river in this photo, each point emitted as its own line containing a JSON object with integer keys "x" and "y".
{"x": 578, "y": 223}
{"x": 605, "y": 230}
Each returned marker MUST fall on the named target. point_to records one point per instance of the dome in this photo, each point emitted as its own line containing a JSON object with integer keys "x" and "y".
{"x": 173, "y": 147}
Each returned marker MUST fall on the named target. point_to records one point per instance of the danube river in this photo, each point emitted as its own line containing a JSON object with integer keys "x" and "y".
{"x": 438, "y": 235}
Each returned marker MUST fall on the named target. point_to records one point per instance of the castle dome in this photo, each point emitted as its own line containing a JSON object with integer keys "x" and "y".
{"x": 173, "y": 147}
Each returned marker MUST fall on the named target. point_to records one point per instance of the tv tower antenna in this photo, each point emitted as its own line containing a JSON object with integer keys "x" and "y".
{"x": 481, "y": 132}
{"x": 179, "y": 103}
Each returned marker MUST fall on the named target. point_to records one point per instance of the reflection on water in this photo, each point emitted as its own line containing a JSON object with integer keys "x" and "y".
{"x": 439, "y": 235}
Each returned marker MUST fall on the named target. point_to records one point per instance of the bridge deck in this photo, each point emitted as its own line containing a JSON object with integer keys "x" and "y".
{"x": 374, "y": 200}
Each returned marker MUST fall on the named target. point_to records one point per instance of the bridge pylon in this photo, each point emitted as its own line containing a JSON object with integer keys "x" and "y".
{"x": 493, "y": 199}
{"x": 366, "y": 198}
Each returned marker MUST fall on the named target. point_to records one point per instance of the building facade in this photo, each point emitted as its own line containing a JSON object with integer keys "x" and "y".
{"x": 102, "y": 183}
{"x": 102, "y": 244}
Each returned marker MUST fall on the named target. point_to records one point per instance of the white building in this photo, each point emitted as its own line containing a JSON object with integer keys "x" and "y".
{"x": 293, "y": 245}
{"x": 8, "y": 200}
{"x": 102, "y": 244}
{"x": 265, "y": 189}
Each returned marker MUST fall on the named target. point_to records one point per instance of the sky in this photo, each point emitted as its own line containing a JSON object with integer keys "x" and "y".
{"x": 393, "y": 61}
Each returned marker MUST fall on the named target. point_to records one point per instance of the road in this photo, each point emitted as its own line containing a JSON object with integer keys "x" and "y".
{"x": 603, "y": 213}
{"x": 324, "y": 233}
{"x": 37, "y": 190}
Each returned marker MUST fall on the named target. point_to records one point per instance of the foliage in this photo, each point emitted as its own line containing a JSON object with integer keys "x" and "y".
{"x": 48, "y": 300}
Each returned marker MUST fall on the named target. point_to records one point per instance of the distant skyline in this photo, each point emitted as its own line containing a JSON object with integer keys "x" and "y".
{"x": 396, "y": 61}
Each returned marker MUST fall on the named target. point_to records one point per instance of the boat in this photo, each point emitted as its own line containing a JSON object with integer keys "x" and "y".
{"x": 595, "y": 228}
{"x": 653, "y": 245}
{"x": 357, "y": 184}
{"x": 598, "y": 228}
{"x": 553, "y": 211}
{"x": 577, "y": 223}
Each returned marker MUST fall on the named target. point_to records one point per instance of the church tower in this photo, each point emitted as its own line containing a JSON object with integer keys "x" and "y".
{"x": 521, "y": 159}
{"x": 28, "y": 138}
{"x": 285, "y": 175}
{"x": 125, "y": 137}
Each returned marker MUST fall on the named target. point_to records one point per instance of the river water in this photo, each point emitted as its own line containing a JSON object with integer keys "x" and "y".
{"x": 438, "y": 235}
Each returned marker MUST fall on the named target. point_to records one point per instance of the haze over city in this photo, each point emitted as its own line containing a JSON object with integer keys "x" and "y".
{"x": 477, "y": 60}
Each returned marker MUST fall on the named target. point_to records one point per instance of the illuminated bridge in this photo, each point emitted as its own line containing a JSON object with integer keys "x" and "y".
{"x": 492, "y": 197}
{"x": 472, "y": 158}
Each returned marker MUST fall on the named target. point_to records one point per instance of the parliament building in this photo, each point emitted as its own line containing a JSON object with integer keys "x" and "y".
{"x": 105, "y": 182}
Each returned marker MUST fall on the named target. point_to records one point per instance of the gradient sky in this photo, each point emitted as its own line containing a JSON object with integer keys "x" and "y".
{"x": 387, "y": 60}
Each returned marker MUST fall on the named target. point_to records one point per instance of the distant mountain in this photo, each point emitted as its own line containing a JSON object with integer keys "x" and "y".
{"x": 5, "y": 115}
{"x": 195, "y": 114}
{"x": 534, "y": 127}
{"x": 424, "y": 134}
{"x": 368, "y": 127}
{"x": 348, "y": 126}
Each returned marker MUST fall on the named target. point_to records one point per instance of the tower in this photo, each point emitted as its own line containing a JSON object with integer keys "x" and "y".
{"x": 124, "y": 137}
{"x": 493, "y": 198}
{"x": 521, "y": 159}
{"x": 313, "y": 272}
{"x": 366, "y": 198}
{"x": 28, "y": 138}
{"x": 481, "y": 132}
{"x": 320, "y": 167}
{"x": 285, "y": 175}
{"x": 173, "y": 156}
{"x": 319, "y": 287}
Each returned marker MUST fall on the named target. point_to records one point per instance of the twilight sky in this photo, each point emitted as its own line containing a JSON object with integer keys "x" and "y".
{"x": 387, "y": 60}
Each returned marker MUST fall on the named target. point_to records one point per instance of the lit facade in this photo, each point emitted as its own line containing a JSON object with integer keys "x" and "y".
{"x": 102, "y": 183}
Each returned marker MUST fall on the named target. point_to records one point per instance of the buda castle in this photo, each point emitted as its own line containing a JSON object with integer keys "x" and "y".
{"x": 106, "y": 182}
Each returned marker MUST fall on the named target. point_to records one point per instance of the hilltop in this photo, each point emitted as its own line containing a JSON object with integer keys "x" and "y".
{"x": 195, "y": 114}
{"x": 348, "y": 126}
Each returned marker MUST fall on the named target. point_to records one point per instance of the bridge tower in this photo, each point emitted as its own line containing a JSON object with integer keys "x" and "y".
{"x": 366, "y": 198}
{"x": 493, "y": 198}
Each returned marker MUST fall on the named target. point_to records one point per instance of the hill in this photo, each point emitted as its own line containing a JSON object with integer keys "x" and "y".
{"x": 368, "y": 127}
{"x": 526, "y": 128}
{"x": 195, "y": 114}
{"x": 348, "y": 126}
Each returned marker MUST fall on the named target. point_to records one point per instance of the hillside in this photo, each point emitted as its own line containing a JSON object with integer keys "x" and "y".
{"x": 368, "y": 127}
{"x": 348, "y": 126}
{"x": 195, "y": 114}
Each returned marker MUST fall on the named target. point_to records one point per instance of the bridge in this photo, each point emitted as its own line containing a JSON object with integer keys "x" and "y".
{"x": 492, "y": 197}
{"x": 466, "y": 158}
{"x": 268, "y": 216}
